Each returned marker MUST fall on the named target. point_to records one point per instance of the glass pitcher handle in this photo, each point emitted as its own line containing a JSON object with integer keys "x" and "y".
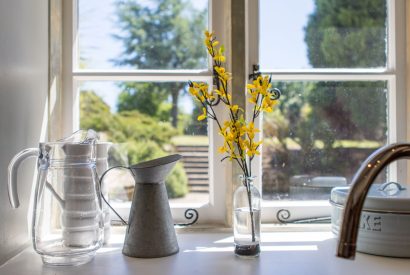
{"x": 12, "y": 173}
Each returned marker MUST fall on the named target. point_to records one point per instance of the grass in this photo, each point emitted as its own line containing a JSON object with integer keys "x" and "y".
{"x": 190, "y": 140}
{"x": 290, "y": 143}
{"x": 357, "y": 144}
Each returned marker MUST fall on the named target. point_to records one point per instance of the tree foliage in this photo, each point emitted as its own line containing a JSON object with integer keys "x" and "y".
{"x": 144, "y": 136}
{"x": 339, "y": 34}
{"x": 133, "y": 125}
{"x": 144, "y": 97}
{"x": 166, "y": 34}
{"x": 348, "y": 34}
{"x": 94, "y": 112}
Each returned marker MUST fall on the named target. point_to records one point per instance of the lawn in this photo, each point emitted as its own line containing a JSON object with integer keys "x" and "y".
{"x": 190, "y": 140}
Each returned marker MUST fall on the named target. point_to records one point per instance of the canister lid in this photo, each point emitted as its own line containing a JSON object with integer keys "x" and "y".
{"x": 387, "y": 197}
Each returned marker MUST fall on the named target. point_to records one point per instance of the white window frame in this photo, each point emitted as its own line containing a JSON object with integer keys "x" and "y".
{"x": 394, "y": 74}
{"x": 221, "y": 175}
{"x": 213, "y": 212}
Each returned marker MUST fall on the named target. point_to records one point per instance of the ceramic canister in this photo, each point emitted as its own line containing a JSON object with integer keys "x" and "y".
{"x": 385, "y": 222}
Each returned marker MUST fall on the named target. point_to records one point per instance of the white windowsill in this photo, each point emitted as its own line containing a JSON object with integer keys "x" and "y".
{"x": 211, "y": 252}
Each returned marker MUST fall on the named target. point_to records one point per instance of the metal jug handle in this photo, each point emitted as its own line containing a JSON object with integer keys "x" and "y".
{"x": 102, "y": 195}
{"x": 12, "y": 173}
{"x": 190, "y": 213}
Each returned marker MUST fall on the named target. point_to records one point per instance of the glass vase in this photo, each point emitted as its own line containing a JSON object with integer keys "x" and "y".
{"x": 247, "y": 218}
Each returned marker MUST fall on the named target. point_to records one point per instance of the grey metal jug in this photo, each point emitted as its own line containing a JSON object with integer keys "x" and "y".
{"x": 150, "y": 232}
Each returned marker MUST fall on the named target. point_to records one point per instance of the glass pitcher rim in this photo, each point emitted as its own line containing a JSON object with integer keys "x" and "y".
{"x": 67, "y": 142}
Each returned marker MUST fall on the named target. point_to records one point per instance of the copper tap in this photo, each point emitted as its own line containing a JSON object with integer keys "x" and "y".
{"x": 361, "y": 182}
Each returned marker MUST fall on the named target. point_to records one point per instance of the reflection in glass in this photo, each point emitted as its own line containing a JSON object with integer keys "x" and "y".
{"x": 145, "y": 121}
{"x": 319, "y": 134}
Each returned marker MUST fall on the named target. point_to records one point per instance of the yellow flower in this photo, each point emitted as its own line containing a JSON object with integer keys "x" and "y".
{"x": 219, "y": 56}
{"x": 220, "y": 93}
{"x": 234, "y": 108}
{"x": 203, "y": 115}
{"x": 193, "y": 91}
{"x": 222, "y": 150}
{"x": 208, "y": 44}
{"x": 267, "y": 104}
{"x": 200, "y": 92}
{"x": 205, "y": 94}
{"x": 222, "y": 74}
{"x": 252, "y": 149}
{"x": 209, "y": 34}
{"x": 251, "y": 130}
{"x": 238, "y": 134}
{"x": 223, "y": 94}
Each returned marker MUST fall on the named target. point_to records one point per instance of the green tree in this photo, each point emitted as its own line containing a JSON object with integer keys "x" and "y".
{"x": 144, "y": 137}
{"x": 144, "y": 97}
{"x": 166, "y": 34}
{"x": 339, "y": 34}
{"x": 348, "y": 34}
{"x": 94, "y": 112}
{"x": 135, "y": 126}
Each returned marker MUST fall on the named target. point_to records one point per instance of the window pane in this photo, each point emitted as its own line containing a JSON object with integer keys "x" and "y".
{"x": 323, "y": 34}
{"x": 147, "y": 120}
{"x": 319, "y": 135}
{"x": 145, "y": 34}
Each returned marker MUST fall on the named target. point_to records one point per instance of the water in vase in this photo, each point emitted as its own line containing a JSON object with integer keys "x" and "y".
{"x": 245, "y": 245}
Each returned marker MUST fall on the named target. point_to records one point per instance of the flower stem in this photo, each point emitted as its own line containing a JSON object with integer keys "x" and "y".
{"x": 248, "y": 190}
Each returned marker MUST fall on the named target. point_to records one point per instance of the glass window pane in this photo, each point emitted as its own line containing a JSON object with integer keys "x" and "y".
{"x": 319, "y": 135}
{"x": 147, "y": 120}
{"x": 323, "y": 34}
{"x": 144, "y": 34}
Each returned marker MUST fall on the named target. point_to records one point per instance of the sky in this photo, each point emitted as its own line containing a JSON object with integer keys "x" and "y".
{"x": 280, "y": 47}
{"x": 283, "y": 47}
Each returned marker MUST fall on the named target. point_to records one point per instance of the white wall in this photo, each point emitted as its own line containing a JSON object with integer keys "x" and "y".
{"x": 23, "y": 93}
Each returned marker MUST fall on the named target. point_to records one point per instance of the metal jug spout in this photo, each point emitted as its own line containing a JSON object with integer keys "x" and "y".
{"x": 154, "y": 171}
{"x": 150, "y": 232}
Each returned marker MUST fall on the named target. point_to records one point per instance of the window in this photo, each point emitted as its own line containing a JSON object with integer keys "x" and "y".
{"x": 342, "y": 83}
{"x": 339, "y": 69}
{"x": 128, "y": 70}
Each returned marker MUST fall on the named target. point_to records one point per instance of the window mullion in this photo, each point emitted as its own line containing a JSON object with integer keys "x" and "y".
{"x": 69, "y": 32}
{"x": 146, "y": 76}
{"x": 398, "y": 95}
{"x": 329, "y": 77}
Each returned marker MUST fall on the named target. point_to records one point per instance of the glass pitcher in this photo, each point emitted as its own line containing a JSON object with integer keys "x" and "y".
{"x": 67, "y": 222}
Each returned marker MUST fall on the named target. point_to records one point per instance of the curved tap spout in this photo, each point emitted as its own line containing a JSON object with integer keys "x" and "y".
{"x": 358, "y": 191}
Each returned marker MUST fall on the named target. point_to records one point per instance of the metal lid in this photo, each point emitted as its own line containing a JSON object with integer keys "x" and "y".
{"x": 387, "y": 197}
